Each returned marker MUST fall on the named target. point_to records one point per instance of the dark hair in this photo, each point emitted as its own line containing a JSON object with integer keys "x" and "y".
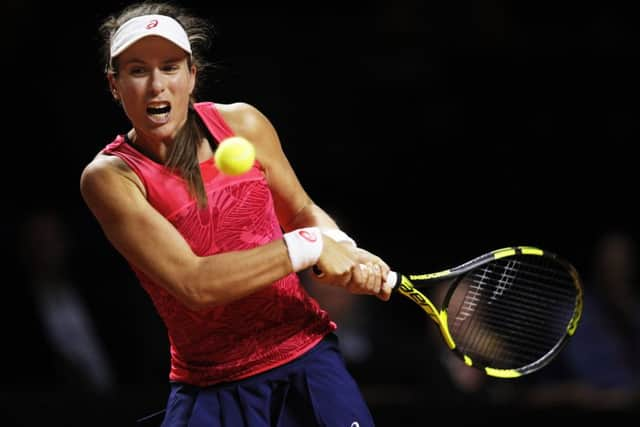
{"x": 183, "y": 154}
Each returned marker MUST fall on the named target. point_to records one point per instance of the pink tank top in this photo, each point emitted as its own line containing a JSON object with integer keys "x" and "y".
{"x": 248, "y": 336}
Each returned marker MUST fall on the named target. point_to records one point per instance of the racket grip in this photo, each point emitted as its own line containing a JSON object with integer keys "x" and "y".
{"x": 392, "y": 279}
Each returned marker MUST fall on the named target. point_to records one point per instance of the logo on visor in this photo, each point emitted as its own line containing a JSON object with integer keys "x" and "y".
{"x": 152, "y": 24}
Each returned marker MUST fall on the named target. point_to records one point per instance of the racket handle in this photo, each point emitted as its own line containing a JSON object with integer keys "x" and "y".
{"x": 392, "y": 279}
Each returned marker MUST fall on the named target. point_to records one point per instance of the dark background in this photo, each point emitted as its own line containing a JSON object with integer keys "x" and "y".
{"x": 431, "y": 131}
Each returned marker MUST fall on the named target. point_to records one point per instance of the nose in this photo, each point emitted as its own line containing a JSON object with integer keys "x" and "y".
{"x": 156, "y": 82}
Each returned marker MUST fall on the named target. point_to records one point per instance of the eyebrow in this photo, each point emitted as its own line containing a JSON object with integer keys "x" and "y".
{"x": 135, "y": 60}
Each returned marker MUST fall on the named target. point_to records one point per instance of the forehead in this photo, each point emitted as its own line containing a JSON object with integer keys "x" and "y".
{"x": 152, "y": 48}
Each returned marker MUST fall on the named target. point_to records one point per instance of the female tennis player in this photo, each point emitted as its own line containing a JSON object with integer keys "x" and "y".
{"x": 217, "y": 254}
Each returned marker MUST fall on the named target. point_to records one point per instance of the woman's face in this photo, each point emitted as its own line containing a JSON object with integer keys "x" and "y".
{"x": 154, "y": 84}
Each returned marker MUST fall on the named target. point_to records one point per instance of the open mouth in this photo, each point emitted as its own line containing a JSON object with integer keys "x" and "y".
{"x": 164, "y": 109}
{"x": 159, "y": 113}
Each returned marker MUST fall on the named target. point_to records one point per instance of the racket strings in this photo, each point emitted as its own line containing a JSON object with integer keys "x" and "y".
{"x": 529, "y": 341}
{"x": 525, "y": 306}
{"x": 520, "y": 335}
{"x": 511, "y": 312}
{"x": 533, "y": 306}
{"x": 519, "y": 318}
{"x": 532, "y": 303}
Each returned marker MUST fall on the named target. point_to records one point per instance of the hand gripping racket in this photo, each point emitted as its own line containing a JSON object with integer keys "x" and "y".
{"x": 508, "y": 312}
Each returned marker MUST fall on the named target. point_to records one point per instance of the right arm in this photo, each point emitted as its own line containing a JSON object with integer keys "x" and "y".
{"x": 151, "y": 243}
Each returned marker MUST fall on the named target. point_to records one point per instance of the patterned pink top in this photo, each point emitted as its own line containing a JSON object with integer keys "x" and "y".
{"x": 248, "y": 336}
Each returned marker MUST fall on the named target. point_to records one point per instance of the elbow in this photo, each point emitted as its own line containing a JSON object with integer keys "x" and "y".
{"x": 198, "y": 296}
{"x": 196, "y": 299}
{"x": 190, "y": 287}
{"x": 193, "y": 303}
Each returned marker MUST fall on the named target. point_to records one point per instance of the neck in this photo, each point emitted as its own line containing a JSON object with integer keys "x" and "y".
{"x": 156, "y": 151}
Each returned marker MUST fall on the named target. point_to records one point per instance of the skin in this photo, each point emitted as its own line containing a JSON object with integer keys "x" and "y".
{"x": 154, "y": 70}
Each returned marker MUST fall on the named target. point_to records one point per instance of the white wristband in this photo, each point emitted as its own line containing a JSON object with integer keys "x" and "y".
{"x": 338, "y": 235}
{"x": 304, "y": 246}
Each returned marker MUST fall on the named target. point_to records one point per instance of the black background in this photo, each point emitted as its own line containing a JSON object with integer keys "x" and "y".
{"x": 431, "y": 131}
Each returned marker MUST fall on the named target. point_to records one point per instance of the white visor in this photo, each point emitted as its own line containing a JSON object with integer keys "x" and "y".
{"x": 149, "y": 25}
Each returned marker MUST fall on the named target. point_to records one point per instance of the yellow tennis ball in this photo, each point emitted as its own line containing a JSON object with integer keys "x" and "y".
{"x": 235, "y": 155}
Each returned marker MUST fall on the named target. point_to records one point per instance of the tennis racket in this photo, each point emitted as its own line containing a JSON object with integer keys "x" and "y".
{"x": 508, "y": 312}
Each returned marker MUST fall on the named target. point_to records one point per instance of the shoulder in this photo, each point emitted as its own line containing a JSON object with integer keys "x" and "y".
{"x": 249, "y": 122}
{"x": 103, "y": 165}
{"x": 245, "y": 119}
{"x": 236, "y": 108}
{"x": 104, "y": 174}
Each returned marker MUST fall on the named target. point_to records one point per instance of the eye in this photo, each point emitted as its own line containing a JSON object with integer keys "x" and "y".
{"x": 137, "y": 71}
{"x": 171, "y": 68}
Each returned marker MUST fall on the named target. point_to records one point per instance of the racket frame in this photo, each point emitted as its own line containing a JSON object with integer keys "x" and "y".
{"x": 409, "y": 284}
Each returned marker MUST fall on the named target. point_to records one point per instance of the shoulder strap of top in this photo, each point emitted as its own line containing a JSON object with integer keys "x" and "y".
{"x": 213, "y": 120}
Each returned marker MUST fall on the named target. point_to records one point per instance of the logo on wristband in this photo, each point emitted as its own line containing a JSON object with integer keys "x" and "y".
{"x": 306, "y": 235}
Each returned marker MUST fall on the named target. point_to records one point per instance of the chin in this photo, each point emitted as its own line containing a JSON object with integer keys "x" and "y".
{"x": 162, "y": 132}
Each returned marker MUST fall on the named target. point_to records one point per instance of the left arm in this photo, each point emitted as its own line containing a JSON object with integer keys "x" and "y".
{"x": 343, "y": 264}
{"x": 294, "y": 207}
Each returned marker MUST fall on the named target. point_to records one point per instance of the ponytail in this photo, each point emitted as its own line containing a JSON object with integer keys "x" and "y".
{"x": 183, "y": 156}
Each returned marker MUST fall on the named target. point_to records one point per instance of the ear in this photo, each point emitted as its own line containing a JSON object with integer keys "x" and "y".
{"x": 193, "y": 75}
{"x": 113, "y": 87}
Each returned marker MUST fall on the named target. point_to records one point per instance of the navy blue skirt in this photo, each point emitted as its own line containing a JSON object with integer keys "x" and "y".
{"x": 314, "y": 390}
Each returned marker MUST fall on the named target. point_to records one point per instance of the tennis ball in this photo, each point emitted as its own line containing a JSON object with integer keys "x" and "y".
{"x": 235, "y": 155}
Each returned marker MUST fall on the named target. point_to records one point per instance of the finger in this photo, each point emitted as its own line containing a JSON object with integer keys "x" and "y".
{"x": 358, "y": 278}
{"x": 385, "y": 293}
{"x": 384, "y": 271}
{"x": 375, "y": 279}
{"x": 371, "y": 280}
{"x": 366, "y": 285}
{"x": 385, "y": 289}
{"x": 345, "y": 279}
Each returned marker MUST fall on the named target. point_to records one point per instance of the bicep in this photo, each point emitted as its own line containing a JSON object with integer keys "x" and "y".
{"x": 294, "y": 207}
{"x": 289, "y": 197}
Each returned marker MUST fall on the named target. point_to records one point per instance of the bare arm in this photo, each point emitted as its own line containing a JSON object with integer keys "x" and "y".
{"x": 147, "y": 240}
{"x": 293, "y": 205}
{"x": 343, "y": 265}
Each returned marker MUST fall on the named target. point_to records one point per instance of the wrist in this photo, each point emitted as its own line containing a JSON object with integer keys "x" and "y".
{"x": 304, "y": 246}
{"x": 339, "y": 236}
